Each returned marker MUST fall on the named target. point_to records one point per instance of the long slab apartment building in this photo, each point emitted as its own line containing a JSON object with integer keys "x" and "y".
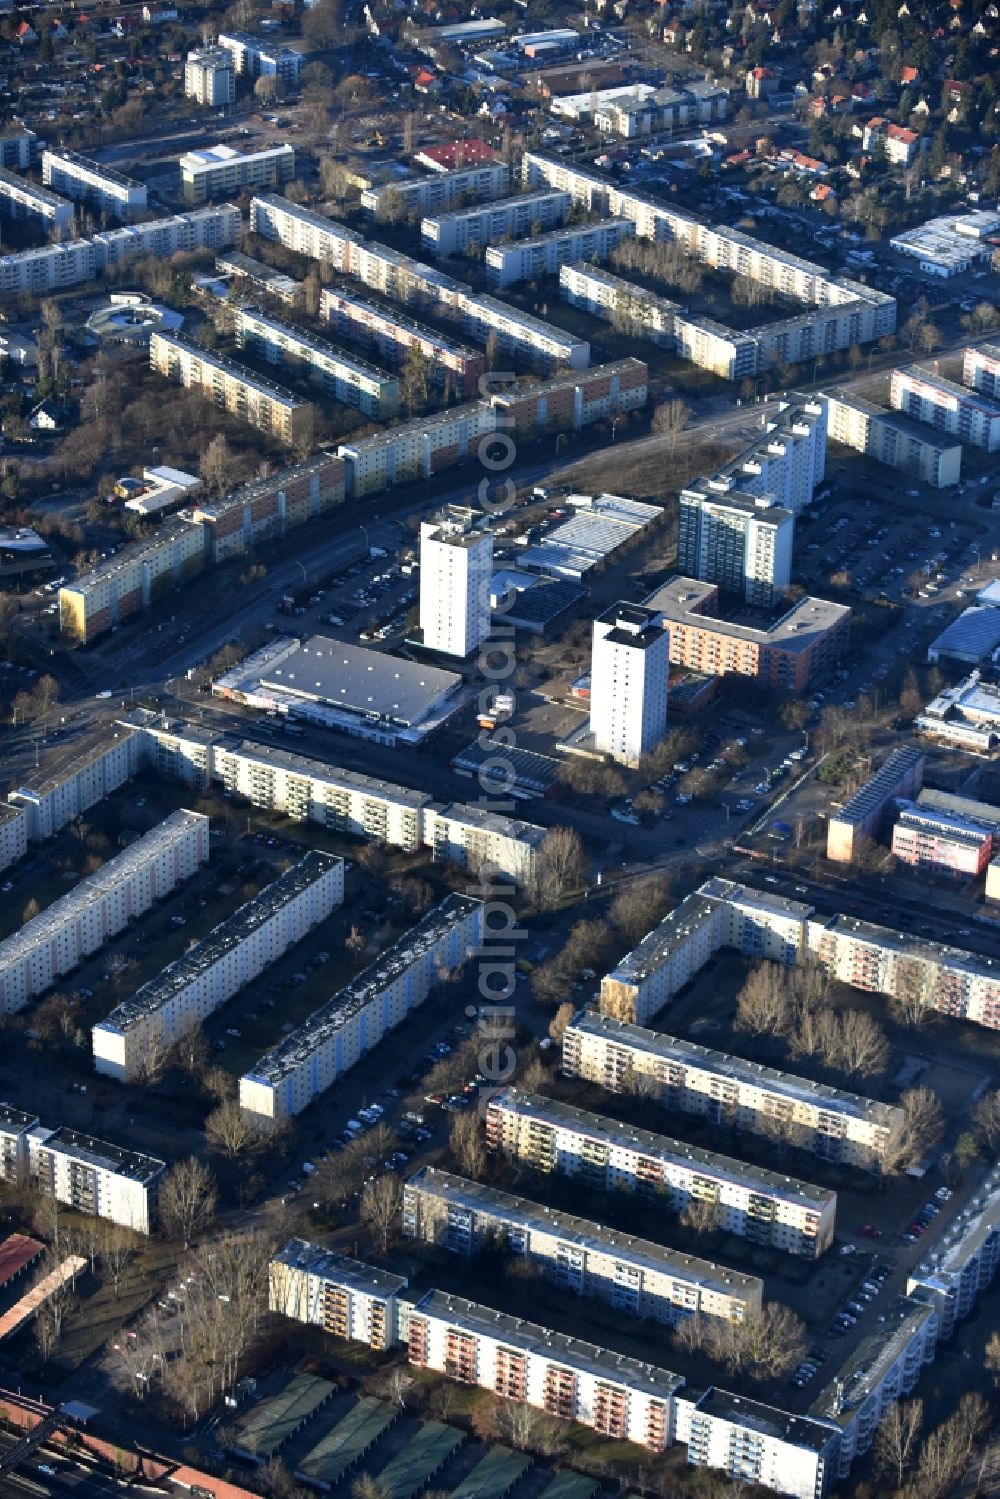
{"x": 893, "y": 440}
{"x": 719, "y": 246}
{"x": 56, "y": 267}
{"x": 543, "y": 254}
{"x": 437, "y": 192}
{"x": 687, "y": 1078}
{"x": 779, "y": 1211}
{"x": 421, "y": 448}
{"x": 83, "y": 1173}
{"x": 964, "y": 1261}
{"x": 402, "y": 279}
{"x": 637, "y": 1277}
{"x": 21, "y": 199}
{"x": 563, "y": 1376}
{"x": 80, "y": 923}
{"x": 393, "y": 335}
{"x": 759, "y": 924}
{"x": 311, "y": 1058}
{"x": 100, "y": 187}
{"x": 343, "y": 1296}
{"x": 261, "y": 403}
{"x": 981, "y": 369}
{"x": 212, "y": 971}
{"x": 341, "y": 376}
{"x": 964, "y": 413}
{"x": 184, "y": 545}
{"x": 457, "y": 232}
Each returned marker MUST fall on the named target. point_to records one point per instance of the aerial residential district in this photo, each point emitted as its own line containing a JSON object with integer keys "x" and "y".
{"x": 500, "y": 749}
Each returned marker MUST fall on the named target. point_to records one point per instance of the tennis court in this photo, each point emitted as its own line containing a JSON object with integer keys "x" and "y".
{"x": 494, "y": 1476}
{"x": 264, "y": 1430}
{"x": 347, "y": 1443}
{"x": 413, "y": 1468}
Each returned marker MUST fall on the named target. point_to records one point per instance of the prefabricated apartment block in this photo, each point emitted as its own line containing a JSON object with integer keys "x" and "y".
{"x": 527, "y": 259}
{"x": 893, "y": 440}
{"x": 928, "y": 397}
{"x": 465, "y": 228}
{"x": 21, "y": 199}
{"x": 346, "y": 1298}
{"x": 218, "y": 966}
{"x": 964, "y": 1260}
{"x": 232, "y": 386}
{"x": 92, "y": 1176}
{"x": 563, "y": 1376}
{"x": 393, "y": 335}
{"x": 128, "y": 582}
{"x": 438, "y": 191}
{"x": 637, "y": 1277}
{"x": 79, "y": 923}
{"x": 339, "y": 375}
{"x": 55, "y": 267}
{"x": 311, "y": 1058}
{"x": 722, "y": 913}
{"x": 223, "y": 172}
{"x": 100, "y": 187}
{"x": 690, "y": 1079}
{"x": 779, "y": 1211}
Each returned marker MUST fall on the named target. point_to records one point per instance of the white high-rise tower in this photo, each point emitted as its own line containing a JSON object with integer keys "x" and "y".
{"x": 456, "y": 569}
{"x": 629, "y": 672}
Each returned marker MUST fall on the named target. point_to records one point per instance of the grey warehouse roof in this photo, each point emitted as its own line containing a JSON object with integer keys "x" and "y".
{"x": 346, "y": 676}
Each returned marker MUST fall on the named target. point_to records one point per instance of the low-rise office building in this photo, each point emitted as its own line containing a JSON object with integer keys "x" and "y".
{"x": 98, "y": 186}
{"x": 690, "y": 1079}
{"x": 94, "y": 1177}
{"x": 259, "y": 57}
{"x": 394, "y": 335}
{"x": 981, "y": 369}
{"x": 344, "y": 1297}
{"x": 966, "y": 716}
{"x": 438, "y": 191}
{"x": 526, "y": 260}
{"x": 788, "y": 653}
{"x": 637, "y": 1277}
{"x": 566, "y": 1377}
{"x": 210, "y": 77}
{"x": 964, "y": 1260}
{"x": 311, "y": 1058}
{"x": 893, "y": 440}
{"x": 223, "y": 172}
{"x": 883, "y": 1368}
{"x": 341, "y": 376}
{"x": 929, "y": 397}
{"x": 234, "y": 387}
{"x": 464, "y": 228}
{"x": 80, "y": 923}
{"x": 779, "y": 1211}
{"x": 862, "y": 818}
{"x": 218, "y": 966}
{"x": 21, "y": 199}
{"x": 941, "y": 843}
{"x": 757, "y": 1444}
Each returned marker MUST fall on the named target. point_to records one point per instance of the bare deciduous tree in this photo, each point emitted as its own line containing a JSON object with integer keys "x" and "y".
{"x": 381, "y": 1201}
{"x": 188, "y": 1198}
{"x": 559, "y": 866}
{"x": 919, "y": 1129}
{"x": 896, "y": 1439}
